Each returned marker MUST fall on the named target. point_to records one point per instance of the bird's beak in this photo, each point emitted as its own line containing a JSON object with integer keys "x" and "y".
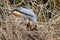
{"x": 16, "y": 13}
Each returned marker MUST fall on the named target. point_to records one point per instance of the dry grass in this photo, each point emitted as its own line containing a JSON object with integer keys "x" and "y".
{"x": 16, "y": 28}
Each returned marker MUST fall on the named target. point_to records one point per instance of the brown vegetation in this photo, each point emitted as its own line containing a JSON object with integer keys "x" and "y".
{"x": 16, "y": 28}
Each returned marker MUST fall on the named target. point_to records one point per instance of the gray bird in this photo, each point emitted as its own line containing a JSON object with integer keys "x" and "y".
{"x": 24, "y": 12}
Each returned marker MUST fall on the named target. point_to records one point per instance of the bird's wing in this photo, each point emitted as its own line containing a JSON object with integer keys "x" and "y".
{"x": 26, "y": 11}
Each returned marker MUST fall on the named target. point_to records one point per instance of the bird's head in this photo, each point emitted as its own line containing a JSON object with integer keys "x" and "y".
{"x": 16, "y": 13}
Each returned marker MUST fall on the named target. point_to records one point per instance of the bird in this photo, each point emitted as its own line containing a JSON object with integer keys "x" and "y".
{"x": 25, "y": 12}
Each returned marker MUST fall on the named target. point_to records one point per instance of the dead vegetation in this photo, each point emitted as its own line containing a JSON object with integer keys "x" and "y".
{"x": 16, "y": 28}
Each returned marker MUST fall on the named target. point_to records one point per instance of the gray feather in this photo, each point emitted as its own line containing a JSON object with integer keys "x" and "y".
{"x": 27, "y": 13}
